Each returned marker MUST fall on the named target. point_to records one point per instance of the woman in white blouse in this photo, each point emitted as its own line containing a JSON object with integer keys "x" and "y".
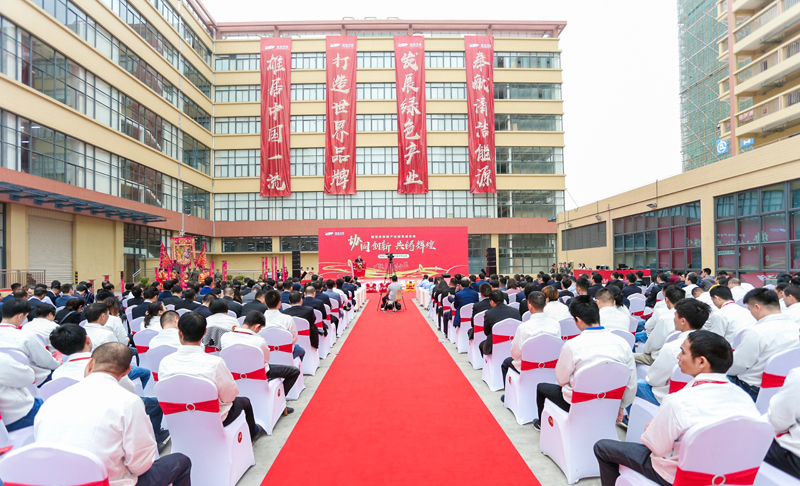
{"x": 554, "y": 308}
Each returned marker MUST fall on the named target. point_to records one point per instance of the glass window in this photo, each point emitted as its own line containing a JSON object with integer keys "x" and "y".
{"x": 299, "y": 243}
{"x": 527, "y": 123}
{"x": 375, "y": 60}
{"x": 529, "y": 160}
{"x": 748, "y": 203}
{"x": 247, "y": 244}
{"x": 773, "y": 228}
{"x": 772, "y": 199}
{"x": 527, "y": 91}
{"x": 775, "y": 257}
{"x": 726, "y": 258}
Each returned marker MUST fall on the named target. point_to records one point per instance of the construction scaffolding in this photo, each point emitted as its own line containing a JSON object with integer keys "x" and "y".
{"x": 701, "y": 71}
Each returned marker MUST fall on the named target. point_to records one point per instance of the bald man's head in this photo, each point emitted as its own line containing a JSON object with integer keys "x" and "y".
{"x": 112, "y": 358}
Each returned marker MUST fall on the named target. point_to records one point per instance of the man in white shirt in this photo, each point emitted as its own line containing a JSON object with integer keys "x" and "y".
{"x": 168, "y": 335}
{"x": 191, "y": 359}
{"x": 593, "y": 345}
{"x": 101, "y": 417}
{"x": 731, "y": 317}
{"x": 774, "y": 332}
{"x": 691, "y": 277}
{"x": 247, "y": 334}
{"x": 14, "y": 313}
{"x": 17, "y": 406}
{"x": 96, "y": 318}
{"x": 708, "y": 397}
{"x": 690, "y": 316}
{"x": 219, "y": 315}
{"x": 700, "y": 294}
{"x": 44, "y": 323}
{"x": 275, "y": 318}
{"x": 610, "y": 317}
{"x": 664, "y": 326}
{"x": 784, "y": 415}
{"x": 737, "y": 290}
{"x": 539, "y": 323}
{"x": 791, "y": 296}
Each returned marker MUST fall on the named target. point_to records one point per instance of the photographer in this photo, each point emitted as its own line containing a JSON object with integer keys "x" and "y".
{"x": 391, "y": 293}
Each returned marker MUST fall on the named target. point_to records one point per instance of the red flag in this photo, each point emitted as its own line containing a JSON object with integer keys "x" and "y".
{"x": 340, "y": 122}
{"x": 479, "y": 54}
{"x": 276, "y": 65}
{"x": 412, "y": 174}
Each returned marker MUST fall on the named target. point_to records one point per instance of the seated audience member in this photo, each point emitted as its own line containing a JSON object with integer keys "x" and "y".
{"x": 690, "y": 315}
{"x": 275, "y": 318}
{"x": 17, "y": 406}
{"x": 660, "y": 284}
{"x": 662, "y": 328}
{"x": 774, "y": 332}
{"x": 784, "y": 415}
{"x": 597, "y": 284}
{"x": 593, "y": 345}
{"x": 72, "y": 313}
{"x": 312, "y": 302}
{"x": 391, "y": 292}
{"x": 175, "y": 295}
{"x": 581, "y": 288}
{"x": 188, "y": 302}
{"x": 737, "y": 290}
{"x": 791, "y": 296}
{"x": 207, "y": 287}
{"x": 316, "y": 282}
{"x": 41, "y": 361}
{"x": 114, "y": 322}
{"x": 610, "y": 317}
{"x": 703, "y": 296}
{"x": 497, "y": 313}
{"x": 630, "y": 287}
{"x": 153, "y": 315}
{"x": 227, "y": 296}
{"x": 257, "y": 303}
{"x": 708, "y": 397}
{"x": 554, "y": 309}
{"x": 464, "y": 296}
{"x": 39, "y": 293}
{"x": 96, "y": 318}
{"x": 247, "y": 334}
{"x": 67, "y": 292}
{"x": 539, "y": 323}
{"x": 100, "y": 416}
{"x": 150, "y": 295}
{"x": 166, "y": 293}
{"x": 484, "y": 304}
{"x": 219, "y": 315}
{"x": 44, "y": 323}
{"x": 168, "y": 335}
{"x": 297, "y": 309}
{"x": 191, "y": 359}
{"x": 691, "y": 283}
{"x": 778, "y": 290}
{"x": 730, "y": 318}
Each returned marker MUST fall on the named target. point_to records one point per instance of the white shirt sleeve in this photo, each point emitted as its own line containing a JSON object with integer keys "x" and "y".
{"x": 137, "y": 441}
{"x": 14, "y": 374}
{"x": 516, "y": 345}
{"x": 663, "y": 431}
{"x": 663, "y": 328}
{"x": 226, "y": 385}
{"x": 783, "y": 409}
{"x": 660, "y": 371}
{"x": 746, "y": 353}
{"x": 565, "y": 366}
{"x": 39, "y": 355}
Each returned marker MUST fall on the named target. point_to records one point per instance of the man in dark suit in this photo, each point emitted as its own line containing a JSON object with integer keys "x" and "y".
{"x": 175, "y": 296}
{"x": 39, "y": 293}
{"x": 188, "y": 301}
{"x": 349, "y": 287}
{"x": 203, "y": 309}
{"x": 227, "y": 296}
{"x": 66, "y": 293}
{"x": 287, "y": 290}
{"x": 55, "y": 291}
{"x": 597, "y": 285}
{"x": 297, "y": 309}
{"x": 326, "y": 300}
{"x": 496, "y": 286}
{"x": 522, "y": 298}
{"x": 150, "y": 295}
{"x": 258, "y": 304}
{"x": 464, "y": 295}
{"x": 136, "y": 297}
{"x": 167, "y": 292}
{"x": 313, "y": 303}
{"x": 497, "y": 313}
{"x": 484, "y": 304}
{"x": 631, "y": 287}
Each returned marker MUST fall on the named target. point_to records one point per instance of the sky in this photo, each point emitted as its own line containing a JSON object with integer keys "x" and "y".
{"x": 620, "y": 74}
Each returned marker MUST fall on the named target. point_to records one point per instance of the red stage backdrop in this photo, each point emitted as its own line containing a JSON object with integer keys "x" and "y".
{"x": 606, "y": 274}
{"x": 417, "y": 251}
{"x": 340, "y": 122}
{"x": 276, "y": 64}
{"x": 409, "y": 62}
{"x": 479, "y": 52}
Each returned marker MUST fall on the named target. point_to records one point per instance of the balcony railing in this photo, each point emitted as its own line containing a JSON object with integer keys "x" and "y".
{"x": 722, "y": 8}
{"x": 769, "y": 60}
{"x": 756, "y": 22}
{"x": 768, "y": 107}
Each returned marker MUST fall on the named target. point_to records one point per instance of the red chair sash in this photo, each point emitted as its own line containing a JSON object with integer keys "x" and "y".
{"x": 478, "y": 328}
{"x": 260, "y": 374}
{"x": 102, "y": 482}
{"x": 211, "y": 349}
{"x": 286, "y": 348}
{"x": 142, "y": 349}
{"x": 155, "y": 375}
{"x": 532, "y": 365}
{"x": 675, "y": 386}
{"x": 209, "y": 406}
{"x": 772, "y": 381}
{"x": 304, "y": 332}
{"x": 466, "y": 319}
{"x": 498, "y": 339}
{"x": 691, "y": 478}
{"x": 615, "y": 394}
{"x": 567, "y": 338}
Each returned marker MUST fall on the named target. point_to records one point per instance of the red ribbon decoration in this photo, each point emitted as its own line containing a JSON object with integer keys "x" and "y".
{"x": 567, "y": 338}
{"x": 211, "y": 349}
{"x": 304, "y": 332}
{"x": 675, "y": 386}
{"x": 692, "y": 478}
{"x": 209, "y": 406}
{"x": 466, "y": 319}
{"x": 286, "y": 348}
{"x": 155, "y": 375}
{"x": 102, "y": 482}
{"x": 532, "y": 365}
{"x": 259, "y": 374}
{"x": 499, "y": 339}
{"x": 478, "y": 328}
{"x": 772, "y": 381}
{"x": 615, "y": 394}
{"x": 142, "y": 349}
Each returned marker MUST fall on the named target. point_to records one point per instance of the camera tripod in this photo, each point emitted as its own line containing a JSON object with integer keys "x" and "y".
{"x": 390, "y": 270}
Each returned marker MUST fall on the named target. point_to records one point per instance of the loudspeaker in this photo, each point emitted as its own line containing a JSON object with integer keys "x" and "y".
{"x": 491, "y": 260}
{"x": 296, "y": 268}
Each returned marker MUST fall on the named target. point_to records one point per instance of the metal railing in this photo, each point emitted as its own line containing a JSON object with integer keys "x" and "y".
{"x": 755, "y": 23}
{"x": 24, "y": 277}
{"x": 769, "y": 107}
{"x": 758, "y": 67}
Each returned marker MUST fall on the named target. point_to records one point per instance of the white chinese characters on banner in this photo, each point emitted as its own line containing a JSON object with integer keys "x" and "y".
{"x": 275, "y": 117}
{"x": 340, "y": 132}
{"x": 412, "y": 136}
{"x": 479, "y": 53}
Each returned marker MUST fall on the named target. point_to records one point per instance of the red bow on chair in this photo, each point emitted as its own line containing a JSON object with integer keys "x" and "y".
{"x": 498, "y": 339}
{"x": 142, "y": 349}
{"x": 260, "y": 374}
{"x": 675, "y": 386}
{"x": 692, "y": 478}
{"x": 532, "y": 365}
{"x": 286, "y": 348}
{"x": 304, "y": 332}
{"x": 772, "y": 381}
{"x": 616, "y": 394}
{"x": 209, "y": 406}
{"x": 102, "y": 482}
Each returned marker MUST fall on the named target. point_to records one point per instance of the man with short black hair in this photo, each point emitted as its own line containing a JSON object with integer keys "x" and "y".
{"x": 597, "y": 284}
{"x": 297, "y": 309}
{"x": 652, "y": 294}
{"x": 630, "y": 287}
{"x": 227, "y": 296}
{"x": 539, "y": 323}
{"x": 219, "y": 315}
{"x": 315, "y": 304}
{"x": 610, "y": 317}
{"x": 99, "y": 416}
{"x": 96, "y": 318}
{"x": 773, "y": 333}
{"x": 791, "y": 296}
{"x": 663, "y": 326}
{"x": 67, "y": 293}
{"x": 464, "y": 295}
{"x": 175, "y": 296}
{"x": 731, "y": 318}
{"x": 273, "y": 317}
{"x": 14, "y": 313}
{"x": 208, "y": 282}
{"x": 707, "y": 279}
{"x": 188, "y": 302}
{"x": 497, "y": 313}
{"x": 167, "y": 292}
{"x": 135, "y": 297}
{"x": 593, "y": 345}
{"x": 204, "y": 309}
{"x": 257, "y": 304}
{"x": 150, "y": 295}
{"x": 168, "y": 335}
{"x": 44, "y": 323}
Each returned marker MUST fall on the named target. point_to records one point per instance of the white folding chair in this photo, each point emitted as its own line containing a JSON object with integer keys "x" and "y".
{"x": 526, "y": 316}
{"x": 136, "y": 324}
{"x": 285, "y": 306}
{"x": 539, "y": 356}
{"x": 769, "y": 475}
{"x": 142, "y": 341}
{"x": 280, "y": 353}
{"x": 17, "y": 438}
{"x": 568, "y": 438}
{"x": 170, "y": 307}
{"x": 240, "y": 320}
{"x": 515, "y": 305}
{"x": 628, "y": 337}
{"x": 324, "y": 343}
{"x": 54, "y": 386}
{"x": 331, "y": 329}
{"x": 709, "y": 452}
{"x": 569, "y": 329}
{"x": 672, "y": 336}
{"x": 565, "y": 299}
{"x": 637, "y": 304}
{"x": 641, "y": 413}
{"x": 182, "y": 311}
{"x": 21, "y": 358}
{"x": 678, "y": 380}
{"x": 775, "y": 371}
{"x": 246, "y": 364}
{"x": 220, "y": 455}
{"x": 462, "y": 338}
{"x": 474, "y": 352}
{"x": 311, "y": 359}
{"x": 232, "y": 314}
{"x": 502, "y": 335}
{"x": 50, "y": 463}
{"x": 634, "y": 323}
{"x": 152, "y": 360}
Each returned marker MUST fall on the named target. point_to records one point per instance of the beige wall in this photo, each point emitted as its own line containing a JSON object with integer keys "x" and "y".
{"x": 98, "y": 248}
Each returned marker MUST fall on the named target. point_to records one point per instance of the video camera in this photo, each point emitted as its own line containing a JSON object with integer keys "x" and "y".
{"x": 390, "y": 256}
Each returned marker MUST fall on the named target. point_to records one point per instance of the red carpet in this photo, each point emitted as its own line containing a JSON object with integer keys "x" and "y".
{"x": 400, "y": 414}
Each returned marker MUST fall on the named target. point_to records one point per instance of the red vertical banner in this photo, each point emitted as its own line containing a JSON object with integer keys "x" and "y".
{"x": 276, "y": 66}
{"x": 479, "y": 57}
{"x": 340, "y": 120}
{"x": 412, "y": 139}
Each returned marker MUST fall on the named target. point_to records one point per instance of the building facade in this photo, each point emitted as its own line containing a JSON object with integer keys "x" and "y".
{"x": 127, "y": 122}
